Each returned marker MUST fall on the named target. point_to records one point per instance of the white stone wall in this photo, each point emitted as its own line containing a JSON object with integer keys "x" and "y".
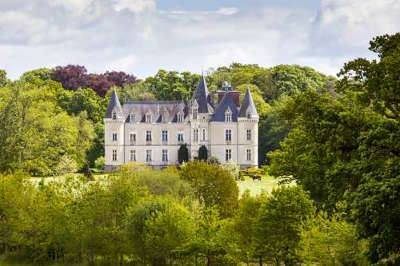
{"x": 214, "y": 141}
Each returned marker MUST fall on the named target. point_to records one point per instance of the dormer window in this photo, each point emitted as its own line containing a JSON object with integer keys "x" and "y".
{"x": 114, "y": 115}
{"x": 148, "y": 118}
{"x": 228, "y": 116}
{"x": 132, "y": 118}
{"x": 180, "y": 117}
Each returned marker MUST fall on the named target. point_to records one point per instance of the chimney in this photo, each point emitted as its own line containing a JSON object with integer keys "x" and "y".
{"x": 236, "y": 97}
{"x": 221, "y": 95}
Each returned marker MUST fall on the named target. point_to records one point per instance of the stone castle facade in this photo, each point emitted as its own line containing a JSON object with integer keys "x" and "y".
{"x": 152, "y": 132}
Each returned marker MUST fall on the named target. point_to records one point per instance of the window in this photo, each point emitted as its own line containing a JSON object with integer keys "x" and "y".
{"x": 228, "y": 116}
{"x": 132, "y": 138}
{"x": 204, "y": 134}
{"x": 114, "y": 115}
{"x": 133, "y": 155}
{"x": 114, "y": 136}
{"x": 248, "y": 115}
{"x": 148, "y": 155}
{"x": 148, "y": 135}
{"x": 114, "y": 155}
{"x": 228, "y": 154}
{"x": 165, "y": 156}
{"x": 180, "y": 117}
{"x": 132, "y": 118}
{"x": 164, "y": 135}
{"x": 228, "y": 135}
{"x": 180, "y": 137}
{"x": 194, "y": 113}
{"x": 248, "y": 155}
{"x": 148, "y": 118}
{"x": 195, "y": 135}
{"x": 248, "y": 133}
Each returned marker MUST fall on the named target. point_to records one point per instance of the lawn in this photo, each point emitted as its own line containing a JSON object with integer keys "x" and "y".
{"x": 255, "y": 187}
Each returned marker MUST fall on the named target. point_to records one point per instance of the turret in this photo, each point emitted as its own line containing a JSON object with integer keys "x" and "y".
{"x": 248, "y": 108}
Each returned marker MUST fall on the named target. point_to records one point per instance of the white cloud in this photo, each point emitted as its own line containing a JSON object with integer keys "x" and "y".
{"x": 135, "y": 6}
{"x": 126, "y": 63}
{"x": 72, "y": 5}
{"x": 227, "y": 11}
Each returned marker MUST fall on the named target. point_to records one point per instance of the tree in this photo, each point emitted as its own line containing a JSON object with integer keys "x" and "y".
{"x": 73, "y": 77}
{"x": 3, "y": 78}
{"x": 331, "y": 241}
{"x": 183, "y": 154}
{"x": 213, "y": 185}
{"x": 278, "y": 224}
{"x": 203, "y": 153}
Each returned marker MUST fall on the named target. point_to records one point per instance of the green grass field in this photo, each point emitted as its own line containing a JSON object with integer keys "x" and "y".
{"x": 255, "y": 187}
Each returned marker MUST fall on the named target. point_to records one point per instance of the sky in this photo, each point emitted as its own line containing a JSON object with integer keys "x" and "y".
{"x": 142, "y": 36}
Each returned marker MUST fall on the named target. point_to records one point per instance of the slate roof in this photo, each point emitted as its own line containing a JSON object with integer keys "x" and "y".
{"x": 248, "y": 104}
{"x": 114, "y": 103}
{"x": 156, "y": 108}
{"x": 201, "y": 96}
{"x": 227, "y": 101}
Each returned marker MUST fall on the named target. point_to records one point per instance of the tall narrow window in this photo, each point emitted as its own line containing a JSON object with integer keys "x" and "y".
{"x": 165, "y": 156}
{"x": 132, "y": 138}
{"x": 180, "y": 117}
{"x": 148, "y": 136}
{"x": 228, "y": 116}
{"x": 114, "y": 137}
{"x": 114, "y": 115}
{"x": 204, "y": 134}
{"x": 248, "y": 133}
{"x": 133, "y": 155}
{"x": 148, "y": 155}
{"x": 180, "y": 137}
{"x": 114, "y": 155}
{"x": 228, "y": 135}
{"x": 228, "y": 154}
{"x": 248, "y": 155}
{"x": 195, "y": 135}
{"x": 164, "y": 135}
{"x": 194, "y": 113}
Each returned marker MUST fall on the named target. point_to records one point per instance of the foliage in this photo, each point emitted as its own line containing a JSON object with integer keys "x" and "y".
{"x": 99, "y": 163}
{"x": 213, "y": 186}
{"x": 36, "y": 131}
{"x": 73, "y": 77}
{"x": 213, "y": 160}
{"x": 233, "y": 168}
{"x": 172, "y": 85}
{"x": 3, "y": 78}
{"x": 66, "y": 165}
{"x": 278, "y": 224}
{"x": 331, "y": 241}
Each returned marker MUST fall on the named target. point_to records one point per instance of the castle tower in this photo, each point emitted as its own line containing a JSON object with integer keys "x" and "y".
{"x": 248, "y": 128}
{"x": 114, "y": 134}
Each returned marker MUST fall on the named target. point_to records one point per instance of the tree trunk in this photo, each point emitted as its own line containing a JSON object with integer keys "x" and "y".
{"x": 260, "y": 261}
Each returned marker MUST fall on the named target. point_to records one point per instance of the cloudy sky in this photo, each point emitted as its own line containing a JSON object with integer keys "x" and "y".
{"x": 142, "y": 36}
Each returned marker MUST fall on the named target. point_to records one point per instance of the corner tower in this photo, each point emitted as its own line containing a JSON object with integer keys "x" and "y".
{"x": 114, "y": 134}
{"x": 248, "y": 128}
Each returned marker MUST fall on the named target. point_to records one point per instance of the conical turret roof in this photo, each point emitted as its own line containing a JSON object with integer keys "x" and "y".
{"x": 201, "y": 94}
{"x": 248, "y": 106}
{"x": 114, "y": 104}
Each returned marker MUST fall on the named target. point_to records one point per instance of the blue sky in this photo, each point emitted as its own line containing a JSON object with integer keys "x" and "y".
{"x": 142, "y": 36}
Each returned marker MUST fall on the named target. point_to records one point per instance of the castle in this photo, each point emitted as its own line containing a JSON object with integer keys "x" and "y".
{"x": 152, "y": 132}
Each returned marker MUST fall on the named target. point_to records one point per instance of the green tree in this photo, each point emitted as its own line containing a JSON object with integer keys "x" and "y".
{"x": 213, "y": 185}
{"x": 278, "y": 224}
{"x": 3, "y": 78}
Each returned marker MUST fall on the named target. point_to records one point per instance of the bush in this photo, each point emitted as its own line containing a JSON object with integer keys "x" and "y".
{"x": 66, "y": 165}
{"x": 99, "y": 163}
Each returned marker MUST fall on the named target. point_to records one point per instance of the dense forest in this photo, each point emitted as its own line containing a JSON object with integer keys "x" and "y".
{"x": 331, "y": 142}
